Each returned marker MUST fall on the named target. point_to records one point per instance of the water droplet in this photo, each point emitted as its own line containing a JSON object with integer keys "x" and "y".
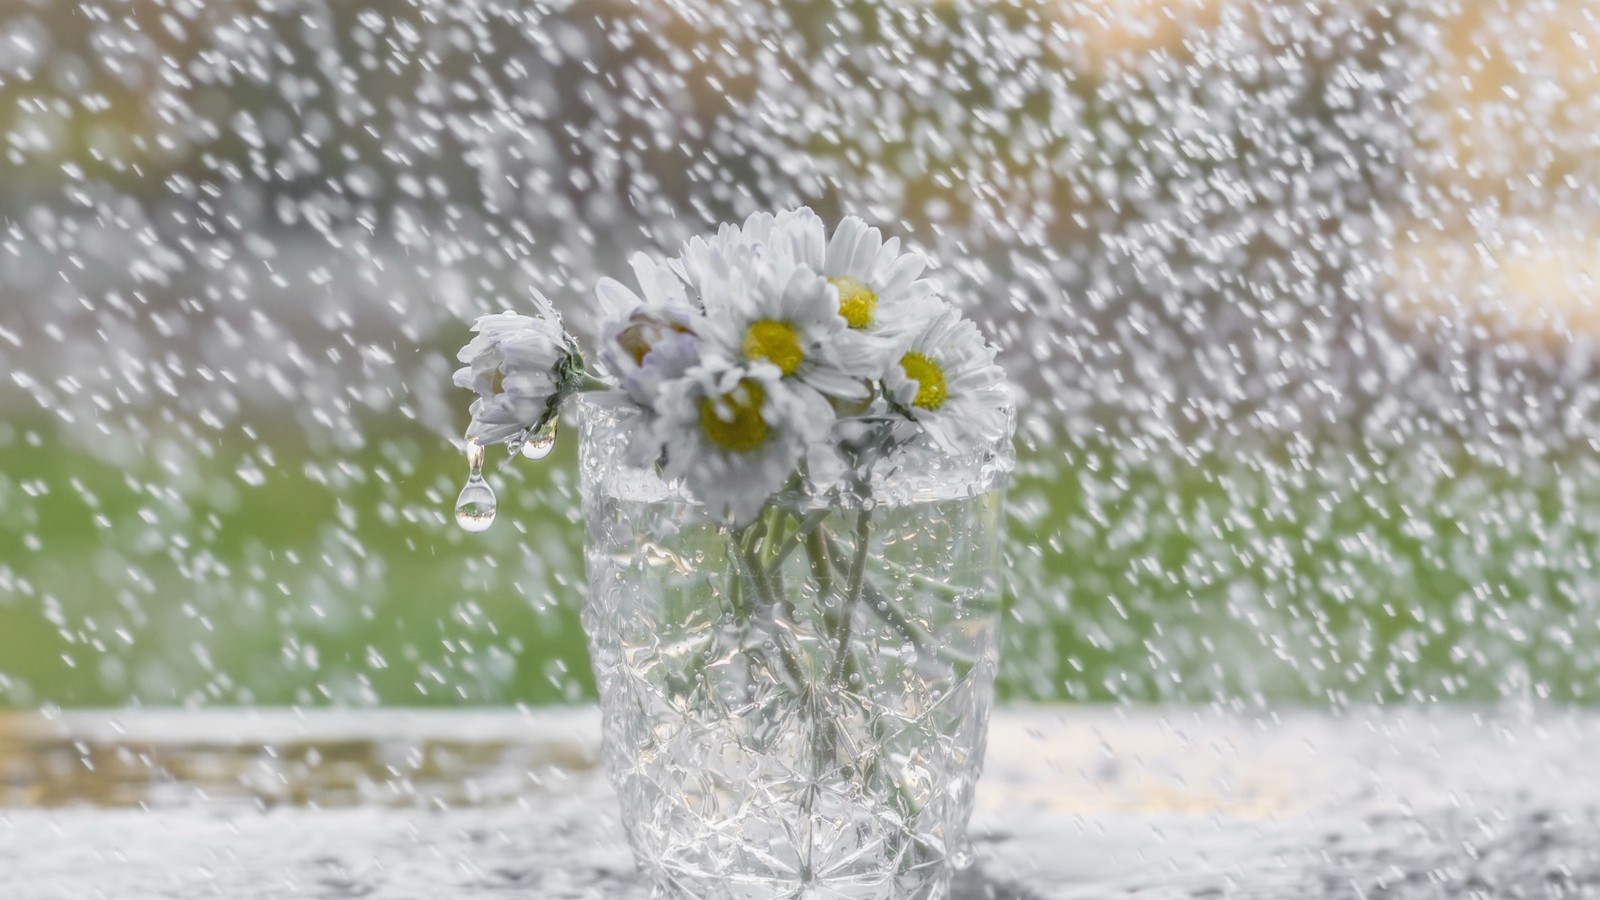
{"x": 475, "y": 507}
{"x": 539, "y": 444}
{"x": 251, "y": 474}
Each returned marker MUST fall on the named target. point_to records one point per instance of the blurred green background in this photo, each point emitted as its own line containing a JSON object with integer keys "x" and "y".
{"x": 1302, "y": 420}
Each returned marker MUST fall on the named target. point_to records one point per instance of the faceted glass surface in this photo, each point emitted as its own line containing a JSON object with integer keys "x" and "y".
{"x": 786, "y": 713}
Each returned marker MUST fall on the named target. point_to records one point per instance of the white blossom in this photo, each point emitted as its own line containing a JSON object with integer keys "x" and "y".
{"x": 763, "y": 306}
{"x": 882, "y": 296}
{"x": 948, "y": 380}
{"x": 648, "y": 338}
{"x": 646, "y": 341}
{"x": 518, "y": 365}
{"x": 735, "y": 434}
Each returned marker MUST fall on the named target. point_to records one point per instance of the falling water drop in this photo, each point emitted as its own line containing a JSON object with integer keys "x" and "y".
{"x": 475, "y": 507}
{"x": 539, "y": 444}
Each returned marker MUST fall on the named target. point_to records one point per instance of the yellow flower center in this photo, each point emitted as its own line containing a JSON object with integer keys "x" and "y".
{"x": 774, "y": 342}
{"x": 929, "y": 378}
{"x": 857, "y": 302}
{"x": 497, "y": 385}
{"x": 733, "y": 421}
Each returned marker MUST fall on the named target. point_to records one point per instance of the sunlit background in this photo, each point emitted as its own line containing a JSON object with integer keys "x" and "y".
{"x": 1299, "y": 297}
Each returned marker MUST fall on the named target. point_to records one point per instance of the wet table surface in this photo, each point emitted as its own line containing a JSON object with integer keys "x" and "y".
{"x": 1075, "y": 803}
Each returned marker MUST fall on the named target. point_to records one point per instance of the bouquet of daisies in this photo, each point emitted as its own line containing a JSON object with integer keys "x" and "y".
{"x": 770, "y": 356}
{"x": 833, "y": 651}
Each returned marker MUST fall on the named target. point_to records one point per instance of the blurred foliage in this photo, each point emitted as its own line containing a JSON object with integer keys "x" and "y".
{"x": 1344, "y": 581}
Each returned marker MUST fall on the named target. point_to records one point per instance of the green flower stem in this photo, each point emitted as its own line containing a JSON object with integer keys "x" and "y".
{"x": 877, "y": 602}
{"x": 829, "y": 563}
{"x": 744, "y": 591}
{"x": 751, "y": 536}
{"x": 858, "y": 571}
{"x": 817, "y": 555}
{"x": 757, "y": 574}
{"x": 768, "y": 576}
{"x": 859, "y": 586}
{"x": 805, "y": 530}
{"x": 741, "y": 610}
{"x": 777, "y": 523}
{"x": 872, "y": 768}
{"x": 923, "y": 581}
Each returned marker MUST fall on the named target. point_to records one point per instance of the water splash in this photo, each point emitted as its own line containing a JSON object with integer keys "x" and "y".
{"x": 475, "y": 506}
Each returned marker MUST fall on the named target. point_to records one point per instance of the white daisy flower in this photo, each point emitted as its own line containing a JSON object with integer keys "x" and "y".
{"x": 520, "y": 367}
{"x": 948, "y": 381}
{"x": 882, "y": 296}
{"x": 765, "y": 307}
{"x": 760, "y": 236}
{"x": 735, "y": 434}
{"x": 645, "y": 343}
{"x": 646, "y": 339}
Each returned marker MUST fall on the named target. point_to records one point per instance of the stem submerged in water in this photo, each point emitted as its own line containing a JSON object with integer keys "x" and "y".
{"x": 858, "y": 570}
{"x": 807, "y": 629}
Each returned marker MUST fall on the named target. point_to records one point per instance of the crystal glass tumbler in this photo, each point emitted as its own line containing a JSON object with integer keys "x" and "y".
{"x": 795, "y": 707}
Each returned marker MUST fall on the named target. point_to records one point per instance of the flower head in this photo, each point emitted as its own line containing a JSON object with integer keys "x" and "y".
{"x": 735, "y": 434}
{"x": 521, "y": 367}
{"x": 948, "y": 382}
{"x": 765, "y": 307}
{"x": 881, "y": 294}
{"x": 762, "y": 236}
{"x": 647, "y": 341}
{"x": 649, "y": 338}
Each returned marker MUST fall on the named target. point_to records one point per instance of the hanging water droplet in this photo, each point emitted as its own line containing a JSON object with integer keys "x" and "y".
{"x": 475, "y": 507}
{"x": 539, "y": 444}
